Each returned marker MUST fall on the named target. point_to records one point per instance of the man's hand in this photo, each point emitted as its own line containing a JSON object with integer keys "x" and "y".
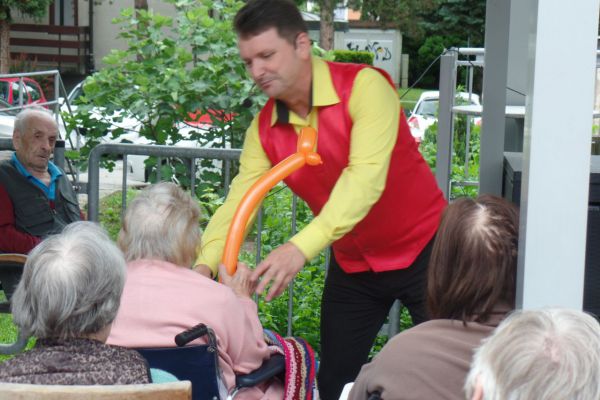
{"x": 280, "y": 267}
{"x": 203, "y": 269}
{"x": 241, "y": 282}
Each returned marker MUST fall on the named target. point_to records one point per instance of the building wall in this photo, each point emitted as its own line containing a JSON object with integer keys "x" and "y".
{"x": 105, "y": 33}
{"x": 386, "y": 46}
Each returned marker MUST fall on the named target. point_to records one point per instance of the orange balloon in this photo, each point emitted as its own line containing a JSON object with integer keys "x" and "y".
{"x": 305, "y": 155}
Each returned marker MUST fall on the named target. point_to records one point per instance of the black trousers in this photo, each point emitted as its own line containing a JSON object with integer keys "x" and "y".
{"x": 353, "y": 309}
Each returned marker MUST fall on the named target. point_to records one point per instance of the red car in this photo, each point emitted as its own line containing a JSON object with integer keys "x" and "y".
{"x": 32, "y": 93}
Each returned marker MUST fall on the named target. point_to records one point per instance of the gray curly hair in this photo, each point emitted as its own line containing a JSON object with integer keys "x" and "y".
{"x": 71, "y": 284}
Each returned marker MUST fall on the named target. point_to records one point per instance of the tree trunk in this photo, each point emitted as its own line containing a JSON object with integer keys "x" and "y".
{"x": 326, "y": 24}
{"x": 140, "y": 5}
{"x": 4, "y": 46}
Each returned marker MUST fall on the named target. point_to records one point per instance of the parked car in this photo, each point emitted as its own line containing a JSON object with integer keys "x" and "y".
{"x": 7, "y": 119}
{"x": 10, "y": 89}
{"x": 131, "y": 128}
{"x": 426, "y": 111}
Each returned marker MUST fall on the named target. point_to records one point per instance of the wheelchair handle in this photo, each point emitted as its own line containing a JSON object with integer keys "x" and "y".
{"x": 191, "y": 334}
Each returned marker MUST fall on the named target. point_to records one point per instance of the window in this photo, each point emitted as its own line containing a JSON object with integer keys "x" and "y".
{"x": 4, "y": 90}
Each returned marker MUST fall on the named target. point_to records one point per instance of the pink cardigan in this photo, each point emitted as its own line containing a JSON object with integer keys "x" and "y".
{"x": 161, "y": 299}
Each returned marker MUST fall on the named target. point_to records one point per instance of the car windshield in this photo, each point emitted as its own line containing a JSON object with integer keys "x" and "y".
{"x": 75, "y": 94}
{"x": 427, "y": 107}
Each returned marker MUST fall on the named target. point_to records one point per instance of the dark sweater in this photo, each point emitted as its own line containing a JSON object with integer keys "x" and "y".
{"x": 27, "y": 215}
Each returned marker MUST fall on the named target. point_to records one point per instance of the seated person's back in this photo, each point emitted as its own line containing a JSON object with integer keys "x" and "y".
{"x": 163, "y": 296}
{"x": 471, "y": 287}
{"x": 67, "y": 298}
{"x": 36, "y": 198}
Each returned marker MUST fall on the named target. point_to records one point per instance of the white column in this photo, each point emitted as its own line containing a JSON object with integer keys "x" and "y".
{"x": 556, "y": 155}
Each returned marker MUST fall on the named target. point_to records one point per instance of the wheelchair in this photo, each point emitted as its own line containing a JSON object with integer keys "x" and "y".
{"x": 200, "y": 364}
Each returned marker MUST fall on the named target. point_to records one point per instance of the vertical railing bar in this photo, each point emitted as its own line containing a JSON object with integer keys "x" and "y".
{"x": 193, "y": 177}
{"x": 158, "y": 169}
{"x": 226, "y": 176}
{"x": 21, "y": 90}
{"x": 468, "y": 122}
{"x": 259, "y": 229}
{"x": 124, "y": 187}
{"x": 291, "y": 285}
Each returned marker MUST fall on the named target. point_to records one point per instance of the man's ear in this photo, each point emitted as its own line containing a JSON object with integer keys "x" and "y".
{"x": 303, "y": 44}
{"x": 16, "y": 139}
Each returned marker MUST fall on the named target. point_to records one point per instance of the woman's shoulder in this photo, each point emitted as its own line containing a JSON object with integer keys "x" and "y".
{"x": 437, "y": 336}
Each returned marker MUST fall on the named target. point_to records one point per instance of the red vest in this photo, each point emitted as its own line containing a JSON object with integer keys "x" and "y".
{"x": 407, "y": 214}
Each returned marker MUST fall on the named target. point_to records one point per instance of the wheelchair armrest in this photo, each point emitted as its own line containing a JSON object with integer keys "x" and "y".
{"x": 270, "y": 368}
{"x": 13, "y": 258}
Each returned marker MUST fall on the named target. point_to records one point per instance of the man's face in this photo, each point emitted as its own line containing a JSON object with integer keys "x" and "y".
{"x": 273, "y": 62}
{"x": 35, "y": 144}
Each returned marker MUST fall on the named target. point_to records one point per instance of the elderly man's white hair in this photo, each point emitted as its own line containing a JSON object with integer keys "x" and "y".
{"x": 551, "y": 354}
{"x": 22, "y": 118}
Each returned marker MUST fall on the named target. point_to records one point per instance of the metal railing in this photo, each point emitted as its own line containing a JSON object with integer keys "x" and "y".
{"x": 190, "y": 153}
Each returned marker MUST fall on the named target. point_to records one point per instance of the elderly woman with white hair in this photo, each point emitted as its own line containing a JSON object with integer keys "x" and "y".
{"x": 549, "y": 354}
{"x": 164, "y": 296}
{"x": 67, "y": 298}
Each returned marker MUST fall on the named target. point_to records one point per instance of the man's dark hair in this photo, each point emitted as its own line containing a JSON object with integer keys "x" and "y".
{"x": 258, "y": 16}
{"x": 474, "y": 259}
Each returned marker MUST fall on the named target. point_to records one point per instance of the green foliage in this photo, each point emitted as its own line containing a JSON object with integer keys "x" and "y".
{"x": 463, "y": 174}
{"x": 357, "y": 57}
{"x": 432, "y": 47}
{"x": 173, "y": 71}
{"x": 33, "y": 8}
{"x": 405, "y": 15}
{"x": 464, "y": 19}
{"x": 459, "y": 23}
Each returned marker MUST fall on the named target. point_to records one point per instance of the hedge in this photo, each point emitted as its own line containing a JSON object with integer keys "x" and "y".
{"x": 357, "y": 57}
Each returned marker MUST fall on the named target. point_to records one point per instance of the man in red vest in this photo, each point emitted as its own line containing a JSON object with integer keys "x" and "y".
{"x": 375, "y": 199}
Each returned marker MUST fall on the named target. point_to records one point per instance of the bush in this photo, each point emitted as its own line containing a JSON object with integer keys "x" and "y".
{"x": 357, "y": 57}
{"x": 459, "y": 171}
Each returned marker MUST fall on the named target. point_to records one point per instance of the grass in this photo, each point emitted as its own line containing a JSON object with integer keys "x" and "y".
{"x": 110, "y": 211}
{"x": 8, "y": 331}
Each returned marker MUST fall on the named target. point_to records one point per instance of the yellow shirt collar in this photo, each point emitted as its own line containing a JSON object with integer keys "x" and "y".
{"x": 323, "y": 92}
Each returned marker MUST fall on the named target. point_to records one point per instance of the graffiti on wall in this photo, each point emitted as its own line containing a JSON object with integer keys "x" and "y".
{"x": 380, "y": 51}
{"x": 384, "y": 51}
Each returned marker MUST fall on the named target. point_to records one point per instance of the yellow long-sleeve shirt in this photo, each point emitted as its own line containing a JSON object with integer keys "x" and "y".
{"x": 374, "y": 109}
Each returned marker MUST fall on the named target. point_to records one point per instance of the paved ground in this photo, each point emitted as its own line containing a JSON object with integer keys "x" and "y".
{"x": 110, "y": 182}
